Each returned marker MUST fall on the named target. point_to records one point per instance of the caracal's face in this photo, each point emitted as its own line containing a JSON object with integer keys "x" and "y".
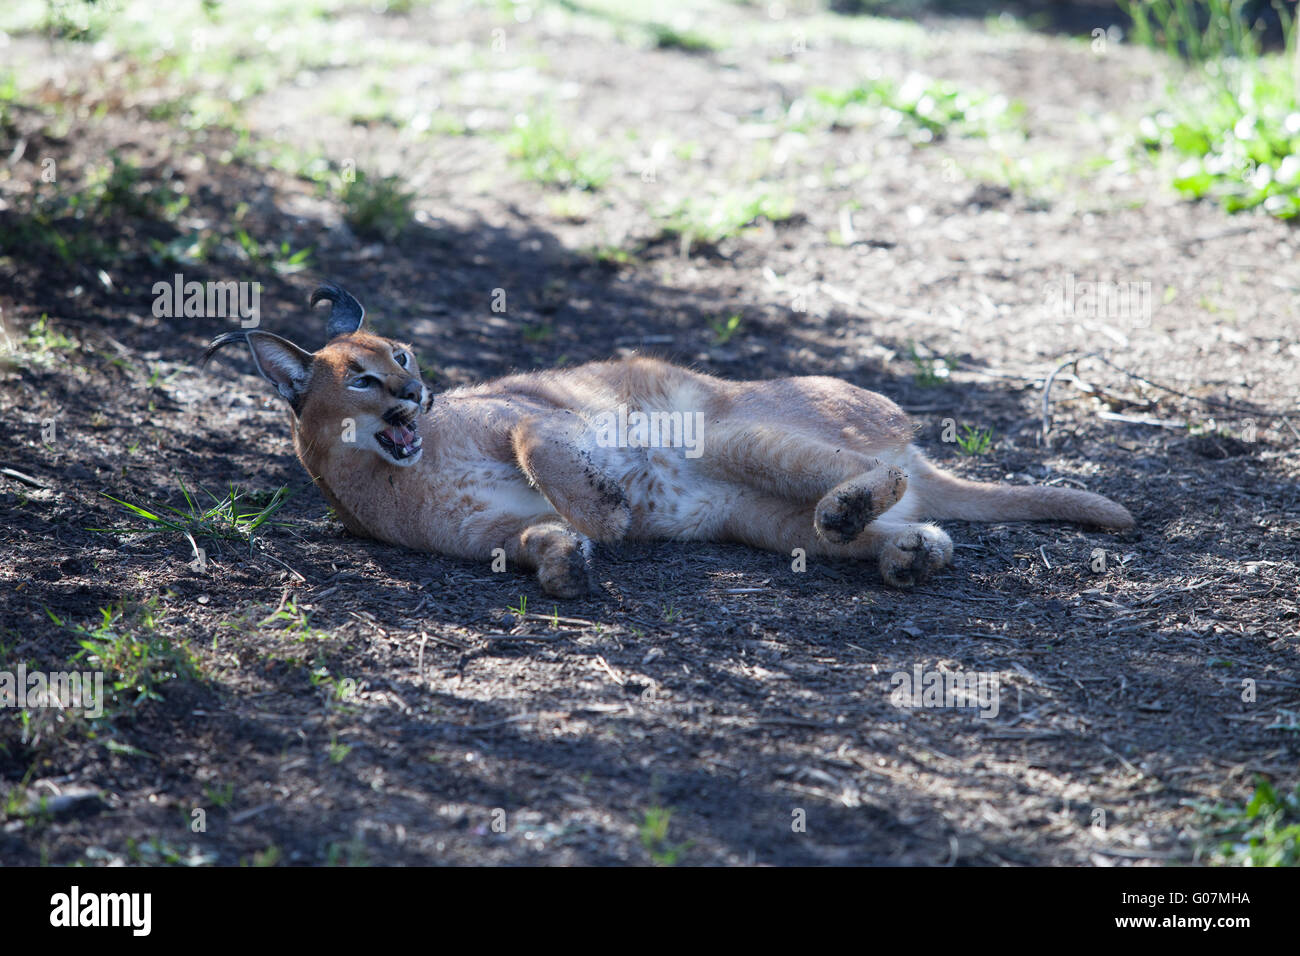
{"x": 371, "y": 387}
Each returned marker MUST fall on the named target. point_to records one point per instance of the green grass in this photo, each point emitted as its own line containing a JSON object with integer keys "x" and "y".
{"x": 120, "y": 187}
{"x": 290, "y": 619}
{"x": 542, "y": 151}
{"x": 611, "y": 256}
{"x": 236, "y": 517}
{"x": 338, "y": 752}
{"x": 1197, "y": 30}
{"x": 919, "y": 108}
{"x": 712, "y": 218}
{"x": 664, "y": 37}
{"x": 724, "y": 329}
{"x": 136, "y": 659}
{"x": 219, "y": 796}
{"x": 974, "y": 441}
{"x": 1231, "y": 125}
{"x": 269, "y": 857}
{"x": 81, "y": 221}
{"x": 931, "y": 370}
{"x": 350, "y": 854}
{"x": 376, "y": 206}
{"x": 654, "y": 827}
{"x": 40, "y": 345}
{"x": 1265, "y": 832}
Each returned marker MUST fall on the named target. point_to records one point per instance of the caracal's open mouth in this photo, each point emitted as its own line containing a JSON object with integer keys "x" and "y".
{"x": 400, "y": 438}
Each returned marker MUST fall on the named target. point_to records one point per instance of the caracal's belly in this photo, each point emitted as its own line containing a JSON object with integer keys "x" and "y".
{"x": 668, "y": 493}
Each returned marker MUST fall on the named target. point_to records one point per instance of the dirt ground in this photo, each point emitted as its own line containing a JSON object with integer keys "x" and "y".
{"x": 709, "y": 698}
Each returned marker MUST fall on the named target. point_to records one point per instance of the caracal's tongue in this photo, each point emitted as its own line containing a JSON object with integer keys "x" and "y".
{"x": 400, "y": 435}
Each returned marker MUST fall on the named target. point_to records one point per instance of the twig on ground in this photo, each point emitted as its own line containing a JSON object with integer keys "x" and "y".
{"x": 1143, "y": 420}
{"x": 1047, "y": 396}
{"x": 25, "y": 479}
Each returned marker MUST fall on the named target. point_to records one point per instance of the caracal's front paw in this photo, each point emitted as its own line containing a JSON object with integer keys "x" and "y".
{"x": 846, "y": 510}
{"x": 911, "y": 555}
{"x": 564, "y": 571}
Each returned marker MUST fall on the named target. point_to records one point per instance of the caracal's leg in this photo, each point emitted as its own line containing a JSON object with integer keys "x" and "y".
{"x": 850, "y": 489}
{"x": 556, "y": 551}
{"x": 907, "y": 552}
{"x": 565, "y": 474}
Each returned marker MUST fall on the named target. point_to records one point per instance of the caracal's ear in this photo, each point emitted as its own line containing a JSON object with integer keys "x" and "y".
{"x": 280, "y": 362}
{"x": 346, "y": 313}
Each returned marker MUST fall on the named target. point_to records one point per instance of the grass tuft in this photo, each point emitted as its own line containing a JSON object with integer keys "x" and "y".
{"x": 542, "y": 151}
{"x": 377, "y": 207}
{"x": 236, "y": 517}
{"x": 1233, "y": 117}
{"x": 1265, "y": 832}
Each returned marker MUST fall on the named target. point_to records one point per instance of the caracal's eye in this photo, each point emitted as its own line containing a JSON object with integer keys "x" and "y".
{"x": 401, "y": 359}
{"x": 363, "y": 382}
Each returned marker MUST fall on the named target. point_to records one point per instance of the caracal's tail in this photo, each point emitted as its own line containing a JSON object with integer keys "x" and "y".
{"x": 941, "y": 495}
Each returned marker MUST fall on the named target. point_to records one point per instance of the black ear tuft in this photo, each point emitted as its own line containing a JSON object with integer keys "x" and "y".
{"x": 220, "y": 342}
{"x": 346, "y": 314}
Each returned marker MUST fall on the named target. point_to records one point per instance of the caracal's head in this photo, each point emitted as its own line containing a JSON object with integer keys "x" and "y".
{"x": 361, "y": 391}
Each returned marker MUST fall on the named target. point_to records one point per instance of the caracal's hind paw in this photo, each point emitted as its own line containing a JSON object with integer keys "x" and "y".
{"x": 911, "y": 555}
{"x": 846, "y": 510}
{"x": 565, "y": 572}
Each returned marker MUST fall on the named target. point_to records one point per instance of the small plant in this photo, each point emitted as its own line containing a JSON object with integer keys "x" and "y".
{"x": 654, "y": 837}
{"x": 931, "y": 370}
{"x": 688, "y": 41}
{"x": 338, "y": 752}
{"x": 351, "y": 853}
{"x": 1197, "y": 30}
{"x": 921, "y": 109}
{"x": 1266, "y": 832}
{"x": 543, "y": 152}
{"x": 42, "y": 338}
{"x": 522, "y": 609}
{"x": 710, "y": 219}
{"x": 974, "y": 441}
{"x": 724, "y": 329}
{"x": 236, "y": 517}
{"x": 40, "y": 345}
{"x": 377, "y": 207}
{"x": 271, "y": 856}
{"x": 1233, "y": 117}
{"x": 126, "y": 646}
{"x": 220, "y": 796}
{"x": 292, "y": 620}
{"x": 119, "y": 186}
{"x": 611, "y": 256}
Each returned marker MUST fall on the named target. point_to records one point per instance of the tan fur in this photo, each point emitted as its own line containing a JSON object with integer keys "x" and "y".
{"x": 811, "y": 463}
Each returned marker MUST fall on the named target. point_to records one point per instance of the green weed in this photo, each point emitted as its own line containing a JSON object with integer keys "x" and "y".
{"x": 974, "y": 441}
{"x": 1233, "y": 116}
{"x": 236, "y": 517}
{"x": 377, "y": 206}
{"x": 543, "y": 152}
{"x": 1266, "y": 832}
{"x": 654, "y": 837}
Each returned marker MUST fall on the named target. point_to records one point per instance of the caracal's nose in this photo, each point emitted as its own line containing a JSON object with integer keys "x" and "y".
{"x": 411, "y": 390}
